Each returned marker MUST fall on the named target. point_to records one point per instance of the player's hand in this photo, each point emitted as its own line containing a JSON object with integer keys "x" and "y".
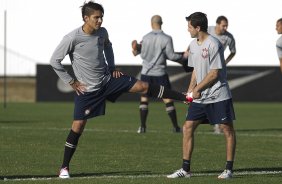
{"x": 196, "y": 94}
{"x": 187, "y": 102}
{"x": 117, "y": 74}
{"x": 78, "y": 87}
{"x": 136, "y": 47}
{"x": 186, "y": 54}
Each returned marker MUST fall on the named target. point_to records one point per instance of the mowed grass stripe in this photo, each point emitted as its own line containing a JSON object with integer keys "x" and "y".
{"x": 238, "y": 133}
{"x": 244, "y": 173}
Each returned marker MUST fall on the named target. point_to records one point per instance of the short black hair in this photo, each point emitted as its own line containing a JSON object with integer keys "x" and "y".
{"x": 88, "y": 8}
{"x": 279, "y": 20}
{"x": 199, "y": 19}
{"x": 221, "y": 18}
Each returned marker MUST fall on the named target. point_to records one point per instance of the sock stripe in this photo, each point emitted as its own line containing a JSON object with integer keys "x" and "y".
{"x": 143, "y": 106}
{"x": 161, "y": 92}
{"x": 70, "y": 145}
{"x": 169, "y": 109}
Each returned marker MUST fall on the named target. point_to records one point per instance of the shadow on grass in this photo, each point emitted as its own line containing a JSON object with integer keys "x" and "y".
{"x": 110, "y": 174}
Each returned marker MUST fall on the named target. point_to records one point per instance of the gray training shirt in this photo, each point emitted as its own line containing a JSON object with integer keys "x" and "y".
{"x": 226, "y": 39}
{"x": 87, "y": 57}
{"x": 205, "y": 57}
{"x": 156, "y": 48}
{"x": 279, "y": 47}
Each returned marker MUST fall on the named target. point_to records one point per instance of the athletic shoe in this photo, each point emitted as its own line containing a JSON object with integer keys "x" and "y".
{"x": 141, "y": 130}
{"x": 179, "y": 174}
{"x": 226, "y": 174}
{"x": 216, "y": 129}
{"x": 177, "y": 130}
{"x": 64, "y": 173}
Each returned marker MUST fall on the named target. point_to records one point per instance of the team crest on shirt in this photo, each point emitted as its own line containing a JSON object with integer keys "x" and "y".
{"x": 205, "y": 53}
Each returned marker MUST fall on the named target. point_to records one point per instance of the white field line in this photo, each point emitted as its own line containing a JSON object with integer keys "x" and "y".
{"x": 131, "y": 131}
{"x": 243, "y": 173}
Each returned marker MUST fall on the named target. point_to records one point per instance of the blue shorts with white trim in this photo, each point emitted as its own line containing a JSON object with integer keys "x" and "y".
{"x": 91, "y": 104}
{"x": 214, "y": 113}
{"x": 157, "y": 80}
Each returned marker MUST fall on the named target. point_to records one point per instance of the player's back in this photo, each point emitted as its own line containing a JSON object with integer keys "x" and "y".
{"x": 153, "y": 52}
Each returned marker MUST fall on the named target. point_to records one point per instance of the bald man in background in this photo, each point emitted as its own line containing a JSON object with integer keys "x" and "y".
{"x": 155, "y": 48}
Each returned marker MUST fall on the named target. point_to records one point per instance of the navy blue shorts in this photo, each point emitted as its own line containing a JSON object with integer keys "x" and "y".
{"x": 91, "y": 104}
{"x": 215, "y": 113}
{"x": 158, "y": 80}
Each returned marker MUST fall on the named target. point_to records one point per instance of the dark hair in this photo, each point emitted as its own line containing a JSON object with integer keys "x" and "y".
{"x": 88, "y": 8}
{"x": 221, "y": 18}
{"x": 199, "y": 19}
{"x": 279, "y": 20}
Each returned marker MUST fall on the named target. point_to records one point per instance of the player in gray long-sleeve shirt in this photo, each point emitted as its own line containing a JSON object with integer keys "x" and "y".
{"x": 96, "y": 79}
{"x": 86, "y": 53}
{"x": 155, "y": 48}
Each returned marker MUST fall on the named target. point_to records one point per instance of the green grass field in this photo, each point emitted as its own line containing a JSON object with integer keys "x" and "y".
{"x": 32, "y": 137}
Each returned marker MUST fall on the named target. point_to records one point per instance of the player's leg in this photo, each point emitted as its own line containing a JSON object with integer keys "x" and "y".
{"x": 70, "y": 146}
{"x": 144, "y": 110}
{"x": 189, "y": 128}
{"x": 171, "y": 111}
{"x": 156, "y": 91}
{"x": 195, "y": 116}
{"x": 223, "y": 113}
{"x": 87, "y": 105}
{"x": 230, "y": 137}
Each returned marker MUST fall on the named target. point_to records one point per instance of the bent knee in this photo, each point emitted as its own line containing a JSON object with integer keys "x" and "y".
{"x": 140, "y": 87}
{"x": 78, "y": 126}
{"x": 227, "y": 128}
{"x": 188, "y": 127}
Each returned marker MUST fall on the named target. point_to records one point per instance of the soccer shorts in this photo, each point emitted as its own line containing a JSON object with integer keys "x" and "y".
{"x": 214, "y": 113}
{"x": 92, "y": 104}
{"x": 157, "y": 80}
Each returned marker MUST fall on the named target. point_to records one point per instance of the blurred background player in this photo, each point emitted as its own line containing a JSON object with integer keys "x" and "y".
{"x": 96, "y": 79}
{"x": 155, "y": 48}
{"x": 212, "y": 96}
{"x": 226, "y": 38}
{"x": 279, "y": 41}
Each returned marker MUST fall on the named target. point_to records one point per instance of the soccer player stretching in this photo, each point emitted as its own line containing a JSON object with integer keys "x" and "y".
{"x": 96, "y": 79}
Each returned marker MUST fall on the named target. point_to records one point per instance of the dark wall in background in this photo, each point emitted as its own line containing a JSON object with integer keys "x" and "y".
{"x": 248, "y": 83}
